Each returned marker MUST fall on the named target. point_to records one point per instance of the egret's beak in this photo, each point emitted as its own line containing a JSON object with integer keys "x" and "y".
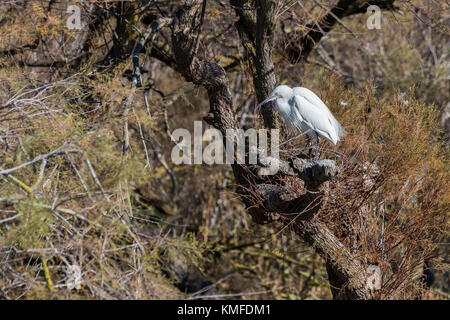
{"x": 271, "y": 98}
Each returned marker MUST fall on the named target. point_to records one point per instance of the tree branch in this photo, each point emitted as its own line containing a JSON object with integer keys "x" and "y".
{"x": 257, "y": 36}
{"x": 298, "y": 47}
{"x": 151, "y": 30}
{"x": 266, "y": 201}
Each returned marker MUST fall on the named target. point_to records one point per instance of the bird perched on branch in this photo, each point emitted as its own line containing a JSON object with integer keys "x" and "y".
{"x": 304, "y": 110}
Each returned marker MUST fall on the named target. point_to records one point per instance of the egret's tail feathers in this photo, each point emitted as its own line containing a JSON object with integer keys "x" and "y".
{"x": 330, "y": 135}
{"x": 334, "y": 139}
{"x": 340, "y": 131}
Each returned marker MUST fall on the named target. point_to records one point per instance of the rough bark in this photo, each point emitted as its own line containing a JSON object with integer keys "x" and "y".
{"x": 265, "y": 201}
{"x": 257, "y": 34}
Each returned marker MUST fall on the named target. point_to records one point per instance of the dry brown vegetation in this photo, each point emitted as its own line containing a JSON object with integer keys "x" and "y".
{"x": 91, "y": 205}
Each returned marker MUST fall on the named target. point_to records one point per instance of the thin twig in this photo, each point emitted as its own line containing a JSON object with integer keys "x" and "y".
{"x": 137, "y": 72}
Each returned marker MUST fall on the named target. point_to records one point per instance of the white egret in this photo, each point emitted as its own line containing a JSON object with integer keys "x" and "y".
{"x": 303, "y": 110}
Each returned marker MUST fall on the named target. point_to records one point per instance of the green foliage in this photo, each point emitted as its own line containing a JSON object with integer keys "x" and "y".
{"x": 34, "y": 227}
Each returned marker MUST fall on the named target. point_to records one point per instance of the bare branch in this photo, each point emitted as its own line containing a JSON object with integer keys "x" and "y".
{"x": 41, "y": 157}
{"x": 151, "y": 30}
{"x": 298, "y": 47}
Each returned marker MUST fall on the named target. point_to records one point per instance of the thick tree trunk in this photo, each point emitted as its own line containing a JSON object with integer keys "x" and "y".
{"x": 263, "y": 199}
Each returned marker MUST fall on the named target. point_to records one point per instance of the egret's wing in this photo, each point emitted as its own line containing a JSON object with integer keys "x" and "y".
{"x": 310, "y": 96}
{"x": 316, "y": 101}
{"x": 315, "y": 118}
{"x": 297, "y": 120}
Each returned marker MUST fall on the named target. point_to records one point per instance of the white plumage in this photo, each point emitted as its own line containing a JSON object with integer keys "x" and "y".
{"x": 315, "y": 100}
{"x": 304, "y": 110}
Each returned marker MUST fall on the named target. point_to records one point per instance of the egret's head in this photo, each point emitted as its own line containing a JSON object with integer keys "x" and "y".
{"x": 280, "y": 92}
